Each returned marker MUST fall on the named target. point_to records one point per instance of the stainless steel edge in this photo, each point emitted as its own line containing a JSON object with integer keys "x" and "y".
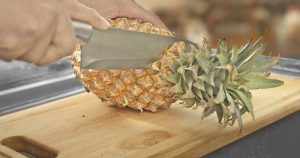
{"x": 37, "y": 93}
{"x": 83, "y": 31}
{"x": 288, "y": 67}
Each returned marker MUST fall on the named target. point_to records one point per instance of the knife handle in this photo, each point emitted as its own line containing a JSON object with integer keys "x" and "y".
{"x": 83, "y": 31}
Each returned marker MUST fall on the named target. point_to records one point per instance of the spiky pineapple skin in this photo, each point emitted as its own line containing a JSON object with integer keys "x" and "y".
{"x": 142, "y": 89}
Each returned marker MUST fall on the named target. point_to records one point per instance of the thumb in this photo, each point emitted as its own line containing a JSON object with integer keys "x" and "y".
{"x": 89, "y": 15}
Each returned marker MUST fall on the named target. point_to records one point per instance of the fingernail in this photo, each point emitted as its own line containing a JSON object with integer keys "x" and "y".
{"x": 103, "y": 23}
{"x": 107, "y": 24}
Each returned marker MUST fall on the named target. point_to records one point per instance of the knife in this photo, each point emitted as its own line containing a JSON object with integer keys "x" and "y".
{"x": 115, "y": 48}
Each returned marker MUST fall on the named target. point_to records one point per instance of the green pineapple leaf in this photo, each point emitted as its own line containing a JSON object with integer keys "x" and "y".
{"x": 220, "y": 96}
{"x": 204, "y": 63}
{"x": 194, "y": 69}
{"x": 178, "y": 87}
{"x": 219, "y": 111}
{"x": 188, "y": 102}
{"x": 236, "y": 110}
{"x": 233, "y": 73}
{"x": 198, "y": 95}
{"x": 247, "y": 63}
{"x": 234, "y": 54}
{"x": 219, "y": 77}
{"x": 194, "y": 49}
{"x": 248, "y": 49}
{"x": 222, "y": 54}
{"x": 183, "y": 59}
{"x": 244, "y": 110}
{"x": 209, "y": 90}
{"x": 174, "y": 66}
{"x": 173, "y": 78}
{"x": 208, "y": 78}
{"x": 208, "y": 111}
{"x": 259, "y": 82}
{"x": 243, "y": 98}
{"x": 207, "y": 49}
{"x": 181, "y": 70}
{"x": 264, "y": 65}
{"x": 226, "y": 115}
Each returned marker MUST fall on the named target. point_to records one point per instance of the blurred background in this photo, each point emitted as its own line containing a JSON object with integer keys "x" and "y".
{"x": 235, "y": 20}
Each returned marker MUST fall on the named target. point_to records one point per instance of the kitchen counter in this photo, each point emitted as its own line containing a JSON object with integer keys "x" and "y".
{"x": 24, "y": 85}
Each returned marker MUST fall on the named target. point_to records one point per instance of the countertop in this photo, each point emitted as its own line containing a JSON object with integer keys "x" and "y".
{"x": 279, "y": 139}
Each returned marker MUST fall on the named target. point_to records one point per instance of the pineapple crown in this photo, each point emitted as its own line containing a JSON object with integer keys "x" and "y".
{"x": 222, "y": 82}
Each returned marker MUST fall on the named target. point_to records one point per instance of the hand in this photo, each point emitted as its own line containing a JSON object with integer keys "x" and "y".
{"x": 40, "y": 31}
{"x": 123, "y": 8}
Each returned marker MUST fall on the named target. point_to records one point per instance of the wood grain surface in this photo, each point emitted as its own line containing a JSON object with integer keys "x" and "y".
{"x": 81, "y": 126}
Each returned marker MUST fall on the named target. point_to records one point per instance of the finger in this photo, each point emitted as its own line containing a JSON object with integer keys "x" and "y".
{"x": 15, "y": 47}
{"x": 145, "y": 15}
{"x": 35, "y": 53}
{"x": 53, "y": 53}
{"x": 5, "y": 54}
{"x": 20, "y": 49}
{"x": 63, "y": 42}
{"x": 89, "y": 15}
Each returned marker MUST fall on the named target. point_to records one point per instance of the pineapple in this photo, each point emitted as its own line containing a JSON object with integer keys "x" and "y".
{"x": 219, "y": 83}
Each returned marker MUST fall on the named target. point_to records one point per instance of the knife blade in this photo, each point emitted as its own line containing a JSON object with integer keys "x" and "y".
{"x": 120, "y": 49}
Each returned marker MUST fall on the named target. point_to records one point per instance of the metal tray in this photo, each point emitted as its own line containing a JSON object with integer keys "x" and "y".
{"x": 24, "y": 85}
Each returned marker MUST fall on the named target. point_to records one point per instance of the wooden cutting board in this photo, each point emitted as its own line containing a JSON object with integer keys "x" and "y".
{"x": 81, "y": 126}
